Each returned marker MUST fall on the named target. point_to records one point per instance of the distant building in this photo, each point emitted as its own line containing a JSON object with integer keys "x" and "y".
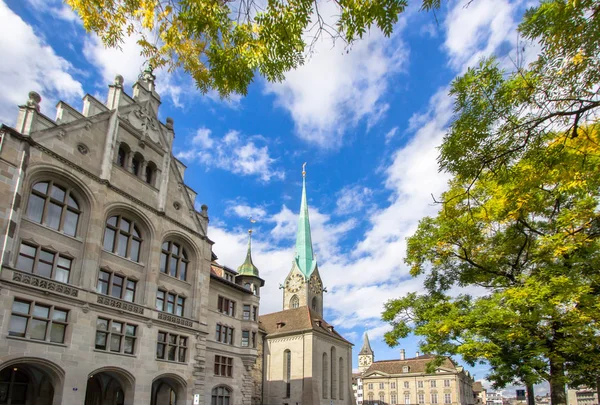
{"x": 479, "y": 393}
{"x": 582, "y": 396}
{"x": 357, "y": 388}
{"x": 494, "y": 398}
{"x": 406, "y": 381}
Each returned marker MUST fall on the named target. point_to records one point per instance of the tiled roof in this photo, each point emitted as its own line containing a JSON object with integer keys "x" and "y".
{"x": 296, "y": 320}
{"x": 477, "y": 386}
{"x": 415, "y": 364}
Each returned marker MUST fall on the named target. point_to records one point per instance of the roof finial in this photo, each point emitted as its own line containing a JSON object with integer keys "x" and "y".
{"x": 248, "y": 268}
{"x": 304, "y": 169}
{"x": 252, "y": 221}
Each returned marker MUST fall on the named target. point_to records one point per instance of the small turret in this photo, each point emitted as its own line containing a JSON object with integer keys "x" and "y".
{"x": 248, "y": 272}
{"x": 366, "y": 355}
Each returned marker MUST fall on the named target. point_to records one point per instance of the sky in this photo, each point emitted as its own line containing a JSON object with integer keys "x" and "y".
{"x": 367, "y": 120}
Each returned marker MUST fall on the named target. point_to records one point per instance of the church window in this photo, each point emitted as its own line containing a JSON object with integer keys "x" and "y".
{"x": 294, "y": 302}
{"x": 226, "y": 306}
{"x": 434, "y": 399}
{"x": 116, "y": 286}
{"x": 406, "y": 384}
{"x": 419, "y": 384}
{"x": 171, "y": 347}
{"x": 421, "y": 398}
{"x": 246, "y": 313}
{"x": 341, "y": 378}
{"x": 245, "y": 338}
{"x": 122, "y": 237}
{"x": 221, "y": 395}
{"x": 324, "y": 377}
{"x": 170, "y": 302}
{"x": 333, "y": 374}
{"x": 54, "y": 206}
{"x": 223, "y": 366}
{"x": 174, "y": 260}
{"x": 43, "y": 262}
{"x": 287, "y": 366}
{"x": 224, "y": 334}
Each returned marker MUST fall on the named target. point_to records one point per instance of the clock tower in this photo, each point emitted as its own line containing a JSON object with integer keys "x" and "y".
{"x": 365, "y": 356}
{"x": 303, "y": 285}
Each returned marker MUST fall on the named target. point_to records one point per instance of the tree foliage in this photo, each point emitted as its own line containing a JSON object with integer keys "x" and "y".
{"x": 511, "y": 262}
{"x": 222, "y": 44}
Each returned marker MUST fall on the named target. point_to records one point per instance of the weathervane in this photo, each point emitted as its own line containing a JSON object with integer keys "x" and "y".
{"x": 252, "y": 221}
{"x": 304, "y": 170}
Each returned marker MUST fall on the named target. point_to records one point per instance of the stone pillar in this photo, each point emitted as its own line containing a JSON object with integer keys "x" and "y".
{"x": 200, "y": 368}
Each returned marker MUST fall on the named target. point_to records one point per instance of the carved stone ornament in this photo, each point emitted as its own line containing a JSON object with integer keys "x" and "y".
{"x": 48, "y": 285}
{"x": 83, "y": 149}
{"x": 175, "y": 319}
{"x": 85, "y": 308}
{"x": 61, "y": 134}
{"x": 88, "y": 125}
{"x": 176, "y": 205}
{"x": 149, "y": 323}
{"x": 120, "y": 305}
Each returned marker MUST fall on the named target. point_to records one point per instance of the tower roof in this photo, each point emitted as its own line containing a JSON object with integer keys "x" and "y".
{"x": 248, "y": 268}
{"x": 366, "y": 348}
{"x": 305, "y": 258}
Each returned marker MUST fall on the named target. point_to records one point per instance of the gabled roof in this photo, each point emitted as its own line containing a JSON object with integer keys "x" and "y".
{"x": 297, "y": 320}
{"x": 366, "y": 348}
{"x": 415, "y": 364}
{"x": 477, "y": 386}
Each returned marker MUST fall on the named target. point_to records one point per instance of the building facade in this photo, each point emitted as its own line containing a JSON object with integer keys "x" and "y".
{"x": 109, "y": 290}
{"x": 305, "y": 360}
{"x": 582, "y": 396}
{"x": 406, "y": 381}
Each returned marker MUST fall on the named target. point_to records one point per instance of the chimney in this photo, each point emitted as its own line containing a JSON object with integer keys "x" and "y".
{"x": 402, "y": 354}
{"x": 417, "y": 355}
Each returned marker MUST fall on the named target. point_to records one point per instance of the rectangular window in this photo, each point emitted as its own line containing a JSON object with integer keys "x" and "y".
{"x": 447, "y": 398}
{"x": 446, "y": 383}
{"x": 116, "y": 286}
{"x": 246, "y": 313}
{"x": 419, "y": 384}
{"x": 370, "y": 386}
{"x": 254, "y": 339}
{"x": 393, "y": 385}
{"x": 432, "y": 383}
{"x": 245, "y": 338}
{"x": 37, "y": 321}
{"x": 226, "y": 306}
{"x": 254, "y": 313}
{"x": 381, "y": 386}
{"x": 406, "y": 399}
{"x": 393, "y": 399}
{"x": 406, "y": 384}
{"x": 224, "y": 334}
{"x": 223, "y": 366}
{"x": 169, "y": 302}
{"x": 171, "y": 347}
{"x": 434, "y": 398}
{"x": 45, "y": 263}
{"x": 115, "y": 336}
{"x": 421, "y": 398}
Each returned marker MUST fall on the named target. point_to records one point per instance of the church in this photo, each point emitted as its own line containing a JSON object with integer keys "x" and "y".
{"x": 305, "y": 360}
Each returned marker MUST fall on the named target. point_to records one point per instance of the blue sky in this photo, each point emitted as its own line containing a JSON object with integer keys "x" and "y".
{"x": 367, "y": 122}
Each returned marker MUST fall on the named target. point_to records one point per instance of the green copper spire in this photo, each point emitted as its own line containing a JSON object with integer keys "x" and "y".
{"x": 305, "y": 258}
{"x": 248, "y": 268}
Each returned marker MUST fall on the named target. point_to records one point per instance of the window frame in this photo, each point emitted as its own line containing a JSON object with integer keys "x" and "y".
{"x": 123, "y": 336}
{"x": 130, "y": 235}
{"x": 446, "y": 383}
{"x": 434, "y": 398}
{"x": 180, "y": 257}
{"x": 223, "y": 366}
{"x": 245, "y": 338}
{"x": 47, "y": 199}
{"x": 177, "y": 345}
{"x": 433, "y": 384}
{"x": 221, "y": 395}
{"x": 226, "y": 306}
{"x": 30, "y": 317}
{"x": 178, "y": 302}
{"x": 447, "y": 398}
{"x": 110, "y": 284}
{"x": 420, "y": 384}
{"x": 36, "y": 259}
{"x": 224, "y": 334}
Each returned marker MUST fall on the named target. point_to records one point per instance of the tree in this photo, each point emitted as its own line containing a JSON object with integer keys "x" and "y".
{"x": 221, "y": 43}
{"x": 518, "y": 230}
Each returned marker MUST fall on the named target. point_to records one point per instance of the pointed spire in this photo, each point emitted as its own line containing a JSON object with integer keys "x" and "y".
{"x": 248, "y": 268}
{"x": 305, "y": 259}
{"x": 366, "y": 348}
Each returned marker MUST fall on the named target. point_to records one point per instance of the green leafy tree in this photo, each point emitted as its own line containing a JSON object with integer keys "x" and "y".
{"x": 511, "y": 261}
{"x": 222, "y": 44}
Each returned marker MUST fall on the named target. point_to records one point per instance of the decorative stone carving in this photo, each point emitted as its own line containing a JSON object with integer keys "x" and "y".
{"x": 121, "y": 305}
{"x": 176, "y": 205}
{"x": 88, "y": 125}
{"x": 85, "y": 308}
{"x": 118, "y": 81}
{"x": 83, "y": 149}
{"x": 175, "y": 319}
{"x": 49, "y": 285}
{"x": 34, "y": 100}
{"x": 61, "y": 134}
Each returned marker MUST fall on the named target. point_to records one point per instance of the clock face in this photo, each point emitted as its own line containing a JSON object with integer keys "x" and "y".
{"x": 364, "y": 361}
{"x": 294, "y": 283}
{"x": 315, "y": 284}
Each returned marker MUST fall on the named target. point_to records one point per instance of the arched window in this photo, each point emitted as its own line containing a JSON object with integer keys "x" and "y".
{"x": 174, "y": 260}
{"x": 221, "y": 395}
{"x": 314, "y": 304}
{"x": 370, "y": 396}
{"x": 287, "y": 367}
{"x": 382, "y": 398}
{"x": 341, "y": 378}
{"x": 325, "y": 371}
{"x": 294, "y": 302}
{"x": 122, "y": 154}
{"x": 136, "y": 164}
{"x": 150, "y": 173}
{"x": 333, "y": 374}
{"x": 54, "y": 206}
{"x": 122, "y": 236}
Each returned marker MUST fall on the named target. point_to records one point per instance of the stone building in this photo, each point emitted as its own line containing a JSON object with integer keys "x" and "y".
{"x": 406, "y": 380}
{"x": 109, "y": 290}
{"x": 582, "y": 396}
{"x": 305, "y": 360}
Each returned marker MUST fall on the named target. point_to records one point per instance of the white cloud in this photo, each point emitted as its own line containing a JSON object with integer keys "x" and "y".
{"x": 429, "y": 29}
{"x": 234, "y": 152}
{"x": 390, "y": 135}
{"x": 30, "y": 64}
{"x": 246, "y": 211}
{"x": 352, "y": 199}
{"x": 56, "y": 8}
{"x": 335, "y": 89}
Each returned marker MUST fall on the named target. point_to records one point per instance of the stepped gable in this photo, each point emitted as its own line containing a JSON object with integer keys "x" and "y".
{"x": 416, "y": 364}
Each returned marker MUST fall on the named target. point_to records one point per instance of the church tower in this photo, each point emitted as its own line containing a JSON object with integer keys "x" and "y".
{"x": 365, "y": 356}
{"x": 303, "y": 285}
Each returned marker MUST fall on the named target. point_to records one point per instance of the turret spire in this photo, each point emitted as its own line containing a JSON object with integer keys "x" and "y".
{"x": 366, "y": 348}
{"x": 248, "y": 268}
{"x": 305, "y": 259}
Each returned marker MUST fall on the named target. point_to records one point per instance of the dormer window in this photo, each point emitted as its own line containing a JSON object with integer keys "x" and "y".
{"x": 405, "y": 369}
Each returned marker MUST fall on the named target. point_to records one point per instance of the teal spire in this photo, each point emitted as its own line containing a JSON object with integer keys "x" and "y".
{"x": 248, "y": 268}
{"x": 305, "y": 258}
